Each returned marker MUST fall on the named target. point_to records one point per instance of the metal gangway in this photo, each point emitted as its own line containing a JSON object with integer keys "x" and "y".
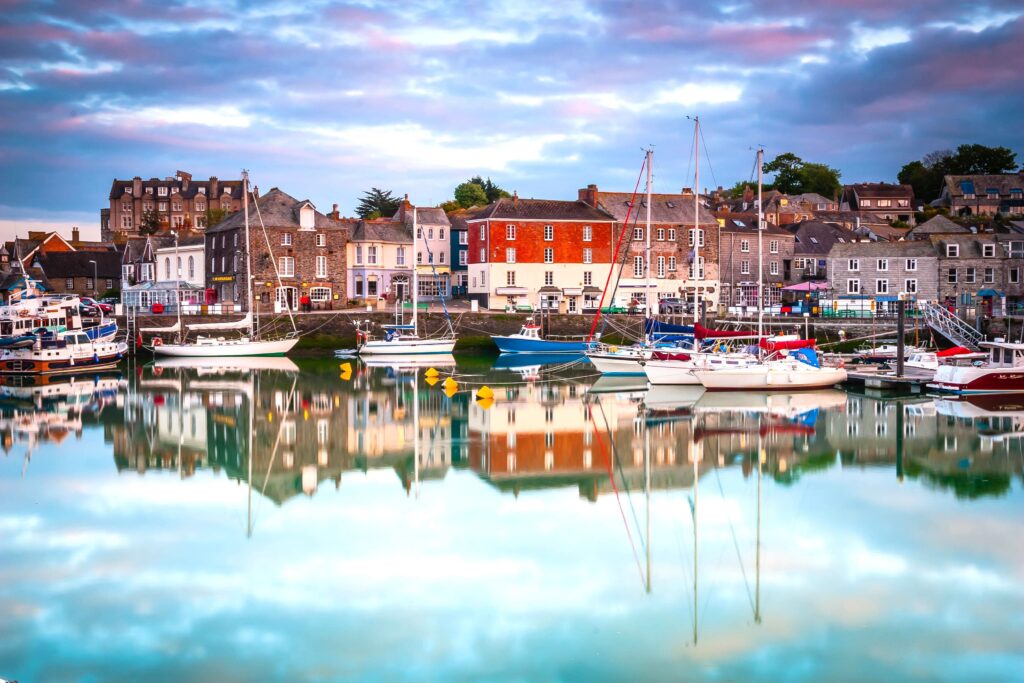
{"x": 950, "y": 326}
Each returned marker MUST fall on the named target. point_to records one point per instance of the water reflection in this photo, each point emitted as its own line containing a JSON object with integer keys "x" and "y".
{"x": 670, "y": 529}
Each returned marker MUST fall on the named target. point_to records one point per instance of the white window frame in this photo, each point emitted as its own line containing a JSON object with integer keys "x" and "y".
{"x": 882, "y": 286}
{"x": 510, "y": 232}
{"x": 745, "y": 246}
{"x": 549, "y": 233}
{"x": 671, "y": 264}
{"x": 638, "y": 234}
{"x": 882, "y": 265}
{"x": 286, "y": 266}
{"x": 661, "y": 234}
{"x": 773, "y": 246}
{"x": 286, "y": 239}
{"x": 988, "y": 250}
{"x": 773, "y": 267}
{"x": 910, "y": 285}
{"x": 588, "y": 255}
{"x": 638, "y": 266}
{"x": 853, "y": 285}
{"x": 510, "y": 255}
{"x": 853, "y": 265}
{"x": 463, "y": 260}
{"x": 321, "y": 266}
{"x": 661, "y": 266}
{"x": 911, "y": 265}
{"x": 588, "y": 233}
{"x": 952, "y": 251}
{"x": 321, "y": 239}
{"x": 319, "y": 294}
{"x": 744, "y": 267}
{"x": 510, "y": 278}
{"x": 671, "y": 234}
{"x": 549, "y": 254}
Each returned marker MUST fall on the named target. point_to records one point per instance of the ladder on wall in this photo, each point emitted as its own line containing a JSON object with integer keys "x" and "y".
{"x": 950, "y": 326}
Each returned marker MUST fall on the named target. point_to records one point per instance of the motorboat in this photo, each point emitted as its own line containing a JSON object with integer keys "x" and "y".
{"x": 1002, "y": 372}
{"x": 620, "y": 360}
{"x": 529, "y": 340}
{"x": 799, "y": 369}
{"x": 62, "y": 352}
{"x": 884, "y": 352}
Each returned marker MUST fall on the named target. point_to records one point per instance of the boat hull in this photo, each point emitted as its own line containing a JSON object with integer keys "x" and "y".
{"x": 515, "y": 343}
{"x": 34, "y": 363}
{"x": 618, "y": 363}
{"x": 407, "y": 347}
{"x": 767, "y": 378}
{"x": 227, "y": 349}
{"x": 972, "y": 380}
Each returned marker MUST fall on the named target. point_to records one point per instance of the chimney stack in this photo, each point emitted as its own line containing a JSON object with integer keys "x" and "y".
{"x": 515, "y": 196}
{"x": 136, "y": 186}
{"x": 213, "y": 187}
{"x": 75, "y": 234}
{"x": 589, "y": 195}
{"x": 335, "y": 214}
{"x": 185, "y": 178}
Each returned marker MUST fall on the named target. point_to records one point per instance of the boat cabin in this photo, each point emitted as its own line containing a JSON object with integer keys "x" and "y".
{"x": 1005, "y": 354}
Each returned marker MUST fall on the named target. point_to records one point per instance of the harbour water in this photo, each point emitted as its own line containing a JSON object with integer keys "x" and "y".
{"x": 284, "y": 523}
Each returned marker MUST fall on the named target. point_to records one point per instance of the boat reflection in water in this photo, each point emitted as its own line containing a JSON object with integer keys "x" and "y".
{"x": 674, "y": 526}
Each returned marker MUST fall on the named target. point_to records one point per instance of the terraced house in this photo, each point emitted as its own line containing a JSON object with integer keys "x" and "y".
{"x": 885, "y": 202}
{"x": 869, "y": 276}
{"x": 174, "y": 202}
{"x": 983, "y": 195}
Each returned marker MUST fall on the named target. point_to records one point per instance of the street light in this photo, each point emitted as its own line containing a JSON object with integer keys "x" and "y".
{"x": 93, "y": 277}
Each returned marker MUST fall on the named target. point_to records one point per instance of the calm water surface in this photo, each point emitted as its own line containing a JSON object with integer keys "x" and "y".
{"x": 287, "y": 523}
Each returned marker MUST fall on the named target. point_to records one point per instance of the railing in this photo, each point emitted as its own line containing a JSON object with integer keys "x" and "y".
{"x": 950, "y": 326}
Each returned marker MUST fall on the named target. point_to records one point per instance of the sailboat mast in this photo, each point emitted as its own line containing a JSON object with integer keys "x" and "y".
{"x": 177, "y": 283}
{"x": 647, "y": 248}
{"x": 416, "y": 430}
{"x": 760, "y": 245}
{"x": 696, "y": 229}
{"x": 248, "y": 255}
{"x": 757, "y": 560}
{"x": 695, "y": 453}
{"x": 647, "y": 496}
{"x": 415, "y": 275}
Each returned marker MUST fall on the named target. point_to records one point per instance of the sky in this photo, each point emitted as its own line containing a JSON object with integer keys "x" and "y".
{"x": 326, "y": 99}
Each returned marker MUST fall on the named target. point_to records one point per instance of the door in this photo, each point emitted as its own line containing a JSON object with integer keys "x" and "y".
{"x": 572, "y": 304}
{"x": 287, "y": 298}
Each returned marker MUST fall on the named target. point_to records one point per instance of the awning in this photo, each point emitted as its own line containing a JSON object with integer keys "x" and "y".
{"x": 549, "y": 289}
{"x": 589, "y": 289}
{"x": 511, "y": 291}
{"x": 572, "y": 291}
{"x": 989, "y": 292}
{"x": 809, "y": 286}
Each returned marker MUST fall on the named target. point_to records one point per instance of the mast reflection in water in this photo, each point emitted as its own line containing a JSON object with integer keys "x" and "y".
{"x": 251, "y": 509}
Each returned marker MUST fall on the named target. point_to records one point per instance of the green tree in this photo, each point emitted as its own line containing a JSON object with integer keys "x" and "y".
{"x": 493, "y": 192}
{"x": 786, "y": 168}
{"x": 150, "y": 223}
{"x": 821, "y": 179}
{"x": 926, "y": 176}
{"x": 214, "y": 216}
{"x": 470, "y": 194}
{"x": 793, "y": 175}
{"x": 925, "y": 181}
{"x": 376, "y": 203}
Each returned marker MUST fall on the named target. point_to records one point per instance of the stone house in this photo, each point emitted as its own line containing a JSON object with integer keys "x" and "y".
{"x": 977, "y": 270}
{"x": 875, "y": 273}
{"x": 86, "y": 273}
{"x": 983, "y": 195}
{"x": 307, "y": 252}
{"x": 179, "y": 202}
{"x": 738, "y": 266}
{"x": 684, "y": 252}
{"x": 936, "y": 225}
{"x": 812, "y": 241}
{"x": 885, "y": 201}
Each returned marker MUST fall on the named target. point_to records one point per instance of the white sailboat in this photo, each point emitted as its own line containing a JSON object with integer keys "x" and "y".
{"x": 801, "y": 369}
{"x": 397, "y": 341}
{"x": 218, "y": 346}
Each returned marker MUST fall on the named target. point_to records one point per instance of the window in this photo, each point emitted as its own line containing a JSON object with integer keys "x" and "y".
{"x": 483, "y": 232}
{"x": 988, "y": 250}
{"x": 951, "y": 276}
{"x": 970, "y": 276}
{"x": 910, "y": 286}
{"x": 161, "y": 191}
{"x": 1013, "y": 276}
{"x": 671, "y": 234}
{"x": 441, "y": 256}
{"x": 671, "y": 264}
{"x": 419, "y": 233}
{"x": 320, "y": 294}
{"x": 69, "y": 283}
{"x": 463, "y": 237}
{"x": 371, "y": 255}
{"x": 881, "y": 286}
{"x": 176, "y": 205}
{"x": 223, "y": 264}
{"x": 990, "y": 276}
{"x": 483, "y": 255}
{"x": 110, "y": 283}
{"x": 588, "y": 255}
{"x": 700, "y": 237}
{"x": 952, "y": 251}
{"x": 744, "y": 267}
{"x": 588, "y": 278}
{"x": 419, "y": 257}
{"x": 638, "y": 266}
{"x": 167, "y": 269}
{"x": 430, "y": 233}
{"x": 661, "y": 266}
{"x": 882, "y": 264}
{"x": 321, "y": 239}
{"x": 638, "y": 234}
{"x": 745, "y": 246}
{"x": 549, "y": 278}
{"x": 773, "y": 247}
{"x": 510, "y": 232}
{"x": 359, "y": 286}
{"x": 510, "y": 278}
{"x": 549, "y": 255}
{"x": 191, "y": 267}
{"x": 853, "y": 286}
{"x": 773, "y": 268}
{"x": 359, "y": 254}
{"x": 866, "y": 203}
{"x": 884, "y": 202}
{"x": 911, "y": 265}
{"x": 286, "y": 266}
{"x": 661, "y": 234}
{"x": 286, "y": 239}
{"x": 400, "y": 256}
{"x": 440, "y": 233}
{"x": 588, "y": 233}
{"x": 549, "y": 233}
{"x": 321, "y": 266}
{"x": 510, "y": 255}
{"x": 462, "y": 257}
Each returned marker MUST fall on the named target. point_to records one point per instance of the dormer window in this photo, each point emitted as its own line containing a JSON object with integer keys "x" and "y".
{"x": 149, "y": 191}
{"x": 866, "y": 203}
{"x": 161, "y": 191}
{"x": 988, "y": 250}
{"x": 202, "y": 190}
{"x": 127, "y": 189}
{"x": 307, "y": 217}
{"x": 952, "y": 251}
{"x": 993, "y": 192}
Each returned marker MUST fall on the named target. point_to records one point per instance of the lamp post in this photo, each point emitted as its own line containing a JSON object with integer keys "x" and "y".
{"x": 93, "y": 277}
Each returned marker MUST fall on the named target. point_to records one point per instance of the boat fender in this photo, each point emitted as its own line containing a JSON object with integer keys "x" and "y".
{"x": 842, "y": 364}
{"x": 613, "y": 349}
{"x": 157, "y": 341}
{"x": 158, "y": 371}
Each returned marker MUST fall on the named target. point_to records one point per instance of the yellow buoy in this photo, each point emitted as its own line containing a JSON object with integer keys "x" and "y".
{"x": 485, "y": 392}
{"x": 431, "y": 372}
{"x": 432, "y": 380}
{"x": 450, "y": 390}
{"x": 449, "y": 382}
{"x": 346, "y": 367}
{"x": 485, "y": 403}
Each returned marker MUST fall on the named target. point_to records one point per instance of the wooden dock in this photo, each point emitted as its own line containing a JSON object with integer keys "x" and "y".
{"x": 880, "y": 377}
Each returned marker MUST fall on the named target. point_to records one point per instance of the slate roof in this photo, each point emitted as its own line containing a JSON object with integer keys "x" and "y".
{"x": 812, "y": 198}
{"x": 676, "y": 209}
{"x": 515, "y": 208}
{"x": 431, "y": 215}
{"x": 61, "y": 264}
{"x": 382, "y": 230}
{"x": 817, "y": 237}
{"x": 937, "y": 225}
{"x": 233, "y": 187}
{"x": 747, "y": 222}
{"x": 883, "y": 190}
{"x": 970, "y": 245}
{"x": 278, "y": 210}
{"x": 920, "y": 249}
{"x": 1004, "y": 183}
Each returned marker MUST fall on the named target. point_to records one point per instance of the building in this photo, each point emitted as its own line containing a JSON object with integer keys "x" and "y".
{"x": 86, "y": 273}
{"x": 308, "y": 255}
{"x": 684, "y": 252}
{"x": 738, "y": 265}
{"x": 177, "y": 202}
{"x": 183, "y": 261}
{"x": 977, "y": 270}
{"x": 459, "y": 247}
{"x": 138, "y": 258}
{"x": 812, "y": 241}
{"x": 885, "y": 201}
{"x": 983, "y": 195}
{"x": 433, "y": 248}
{"x": 531, "y": 253}
{"x": 380, "y": 258}
{"x": 868, "y": 277}
{"x": 936, "y": 225}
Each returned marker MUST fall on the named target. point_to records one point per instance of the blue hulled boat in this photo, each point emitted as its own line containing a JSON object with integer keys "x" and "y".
{"x": 528, "y": 340}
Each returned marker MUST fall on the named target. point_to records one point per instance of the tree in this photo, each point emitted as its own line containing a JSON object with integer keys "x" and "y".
{"x": 214, "y": 216}
{"x": 470, "y": 194}
{"x": 926, "y": 176}
{"x": 793, "y": 175}
{"x": 150, "y": 223}
{"x": 376, "y": 203}
{"x": 493, "y": 192}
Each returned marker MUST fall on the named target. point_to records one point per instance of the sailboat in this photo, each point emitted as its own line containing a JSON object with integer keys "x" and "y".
{"x": 402, "y": 340}
{"x": 800, "y": 369}
{"x": 249, "y": 344}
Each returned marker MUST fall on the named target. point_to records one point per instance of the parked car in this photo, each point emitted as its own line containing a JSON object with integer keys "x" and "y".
{"x": 673, "y": 305}
{"x": 92, "y": 303}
